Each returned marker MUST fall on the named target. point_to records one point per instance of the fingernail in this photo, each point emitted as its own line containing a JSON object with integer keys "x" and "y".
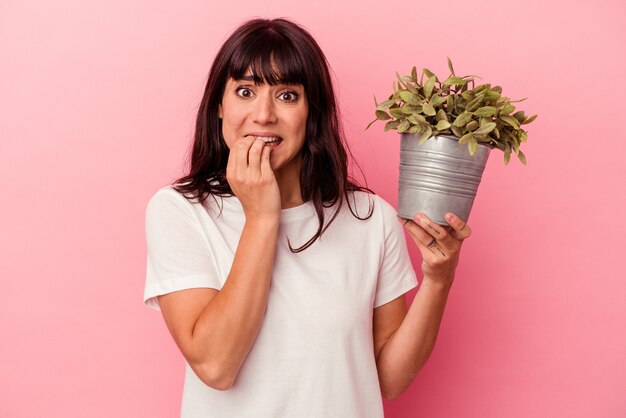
{"x": 450, "y": 218}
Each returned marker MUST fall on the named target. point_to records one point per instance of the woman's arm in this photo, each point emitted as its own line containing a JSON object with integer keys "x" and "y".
{"x": 404, "y": 353}
{"x": 215, "y": 330}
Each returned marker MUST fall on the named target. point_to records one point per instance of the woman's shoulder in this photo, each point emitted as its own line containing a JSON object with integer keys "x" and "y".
{"x": 164, "y": 194}
{"x": 169, "y": 196}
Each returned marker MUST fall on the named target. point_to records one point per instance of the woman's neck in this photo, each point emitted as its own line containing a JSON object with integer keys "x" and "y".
{"x": 290, "y": 195}
{"x": 289, "y": 184}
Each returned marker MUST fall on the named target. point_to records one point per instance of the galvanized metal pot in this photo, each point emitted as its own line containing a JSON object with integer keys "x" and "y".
{"x": 438, "y": 176}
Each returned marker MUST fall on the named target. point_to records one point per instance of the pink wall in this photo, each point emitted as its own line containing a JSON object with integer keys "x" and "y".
{"x": 97, "y": 101}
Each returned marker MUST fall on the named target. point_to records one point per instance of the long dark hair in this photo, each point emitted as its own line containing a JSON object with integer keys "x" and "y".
{"x": 276, "y": 51}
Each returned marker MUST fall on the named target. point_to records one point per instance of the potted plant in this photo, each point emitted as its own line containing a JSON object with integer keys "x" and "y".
{"x": 447, "y": 132}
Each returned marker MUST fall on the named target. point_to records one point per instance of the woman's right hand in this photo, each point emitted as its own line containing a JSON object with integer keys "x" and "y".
{"x": 252, "y": 179}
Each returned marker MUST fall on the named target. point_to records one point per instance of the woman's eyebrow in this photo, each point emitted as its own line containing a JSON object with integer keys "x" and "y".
{"x": 251, "y": 78}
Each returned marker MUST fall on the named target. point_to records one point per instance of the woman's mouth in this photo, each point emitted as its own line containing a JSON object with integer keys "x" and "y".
{"x": 272, "y": 141}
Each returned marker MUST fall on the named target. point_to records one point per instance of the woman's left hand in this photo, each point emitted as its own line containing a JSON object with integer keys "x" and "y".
{"x": 440, "y": 246}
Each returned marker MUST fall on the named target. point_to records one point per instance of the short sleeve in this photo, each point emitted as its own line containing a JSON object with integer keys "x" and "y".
{"x": 396, "y": 275}
{"x": 178, "y": 254}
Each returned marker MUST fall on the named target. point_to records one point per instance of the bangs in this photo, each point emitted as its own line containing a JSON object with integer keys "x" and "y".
{"x": 272, "y": 59}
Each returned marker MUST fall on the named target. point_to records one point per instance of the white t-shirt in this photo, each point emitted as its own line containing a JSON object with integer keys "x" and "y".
{"x": 314, "y": 354}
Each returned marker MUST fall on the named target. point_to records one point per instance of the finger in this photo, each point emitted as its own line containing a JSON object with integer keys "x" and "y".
{"x": 434, "y": 229}
{"x": 254, "y": 156}
{"x": 459, "y": 228}
{"x": 420, "y": 236}
{"x": 266, "y": 168}
{"x": 241, "y": 149}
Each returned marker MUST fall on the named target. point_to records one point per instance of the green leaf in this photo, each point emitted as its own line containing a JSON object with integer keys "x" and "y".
{"x": 400, "y": 82}
{"x": 437, "y": 100}
{"x": 484, "y": 121}
{"x": 441, "y": 115}
{"x": 396, "y": 113}
{"x": 496, "y": 132}
{"x": 529, "y": 119}
{"x": 410, "y": 109}
{"x": 482, "y": 87}
{"x": 385, "y": 105}
{"x": 522, "y": 157}
{"x": 523, "y": 136}
{"x": 475, "y": 104}
{"x": 492, "y": 95}
{"x": 515, "y": 147}
{"x": 507, "y": 154}
{"x": 428, "y": 87}
{"x": 453, "y": 81}
{"x": 428, "y": 73}
{"x": 404, "y": 126}
{"x": 382, "y": 115}
{"x": 507, "y": 110}
{"x": 502, "y": 100}
{"x": 466, "y": 138}
{"x": 458, "y": 132}
{"x": 443, "y": 124}
{"x": 426, "y": 133}
{"x": 428, "y": 110}
{"x": 468, "y": 95}
{"x": 472, "y": 125}
{"x": 510, "y": 120}
{"x": 485, "y": 129}
{"x": 393, "y": 124}
{"x": 520, "y": 116}
{"x": 473, "y": 146}
{"x": 462, "y": 119}
{"x": 416, "y": 118}
{"x": 450, "y": 66}
{"x": 414, "y": 74}
{"x": 485, "y": 111}
{"x": 408, "y": 97}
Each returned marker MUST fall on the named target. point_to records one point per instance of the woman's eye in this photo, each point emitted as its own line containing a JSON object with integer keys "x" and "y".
{"x": 289, "y": 96}
{"x": 243, "y": 92}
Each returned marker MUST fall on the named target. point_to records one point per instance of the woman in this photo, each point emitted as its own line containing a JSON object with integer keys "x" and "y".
{"x": 281, "y": 280}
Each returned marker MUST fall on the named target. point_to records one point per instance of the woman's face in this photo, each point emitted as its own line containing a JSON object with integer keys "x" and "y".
{"x": 276, "y": 114}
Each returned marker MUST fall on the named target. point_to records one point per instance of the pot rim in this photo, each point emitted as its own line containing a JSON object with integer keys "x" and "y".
{"x": 453, "y": 137}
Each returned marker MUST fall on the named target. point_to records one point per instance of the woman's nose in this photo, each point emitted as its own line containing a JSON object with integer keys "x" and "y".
{"x": 264, "y": 111}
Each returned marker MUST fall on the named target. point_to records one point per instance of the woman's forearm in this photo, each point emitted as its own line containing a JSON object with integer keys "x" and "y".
{"x": 230, "y": 323}
{"x": 406, "y": 351}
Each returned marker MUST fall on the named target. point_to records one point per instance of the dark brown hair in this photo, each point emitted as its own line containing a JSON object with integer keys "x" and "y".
{"x": 276, "y": 51}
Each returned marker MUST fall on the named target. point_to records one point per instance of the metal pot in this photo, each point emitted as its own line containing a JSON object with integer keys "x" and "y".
{"x": 438, "y": 176}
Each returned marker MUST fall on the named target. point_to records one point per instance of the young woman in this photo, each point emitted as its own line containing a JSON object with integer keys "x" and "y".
{"x": 280, "y": 279}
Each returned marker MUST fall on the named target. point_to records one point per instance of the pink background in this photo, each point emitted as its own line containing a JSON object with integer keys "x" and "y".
{"x": 97, "y": 105}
